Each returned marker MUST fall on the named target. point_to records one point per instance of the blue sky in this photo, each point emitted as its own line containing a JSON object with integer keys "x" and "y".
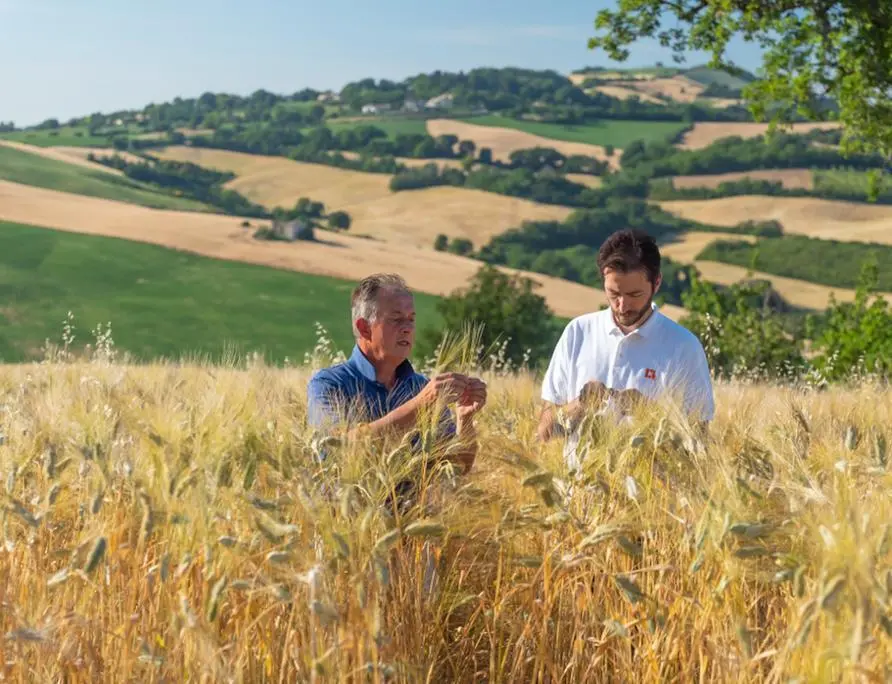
{"x": 67, "y": 58}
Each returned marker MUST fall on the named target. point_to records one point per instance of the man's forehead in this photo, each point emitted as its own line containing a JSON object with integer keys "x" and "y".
{"x": 625, "y": 279}
{"x": 396, "y": 301}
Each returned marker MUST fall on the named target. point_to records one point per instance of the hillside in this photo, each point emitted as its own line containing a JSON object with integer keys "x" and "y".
{"x": 412, "y": 218}
{"x": 799, "y": 293}
{"x": 818, "y": 218}
{"x": 223, "y": 237}
{"x": 705, "y": 133}
{"x": 47, "y": 170}
{"x": 162, "y": 302}
{"x": 504, "y": 141}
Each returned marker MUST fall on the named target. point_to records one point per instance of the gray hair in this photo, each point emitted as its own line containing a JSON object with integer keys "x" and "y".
{"x": 364, "y": 301}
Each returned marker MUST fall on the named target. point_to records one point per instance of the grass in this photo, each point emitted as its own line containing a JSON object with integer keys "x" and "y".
{"x": 850, "y": 181}
{"x": 64, "y": 136}
{"x": 826, "y": 262}
{"x": 31, "y": 169}
{"x": 162, "y": 302}
{"x": 391, "y": 126}
{"x": 607, "y": 132}
{"x": 171, "y": 524}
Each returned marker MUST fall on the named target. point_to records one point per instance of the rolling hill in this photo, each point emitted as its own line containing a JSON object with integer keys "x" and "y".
{"x": 705, "y": 133}
{"x": 410, "y": 217}
{"x": 820, "y": 218}
{"x": 789, "y": 178}
{"x": 46, "y": 170}
{"x": 161, "y": 301}
{"x": 223, "y": 237}
{"x": 504, "y": 141}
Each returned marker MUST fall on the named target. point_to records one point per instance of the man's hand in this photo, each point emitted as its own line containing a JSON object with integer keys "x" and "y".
{"x": 472, "y": 399}
{"x": 446, "y": 387}
{"x": 628, "y": 399}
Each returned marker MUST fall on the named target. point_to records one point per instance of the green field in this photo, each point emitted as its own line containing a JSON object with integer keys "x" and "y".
{"x": 825, "y": 262}
{"x": 61, "y": 137}
{"x": 618, "y": 133}
{"x": 31, "y": 169}
{"x": 849, "y": 181}
{"x": 162, "y": 302}
{"x": 391, "y": 126}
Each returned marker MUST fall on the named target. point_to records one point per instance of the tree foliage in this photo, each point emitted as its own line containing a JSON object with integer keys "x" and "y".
{"x": 813, "y": 50}
{"x": 510, "y": 312}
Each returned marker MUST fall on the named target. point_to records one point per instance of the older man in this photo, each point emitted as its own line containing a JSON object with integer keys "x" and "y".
{"x": 607, "y": 361}
{"x": 377, "y": 391}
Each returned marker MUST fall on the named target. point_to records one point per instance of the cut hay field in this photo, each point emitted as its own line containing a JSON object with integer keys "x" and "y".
{"x": 412, "y": 218}
{"x": 789, "y": 178}
{"x": 828, "y": 219}
{"x": 222, "y": 237}
{"x": 413, "y": 162}
{"x": 45, "y": 170}
{"x": 160, "y": 301}
{"x": 586, "y": 179}
{"x": 625, "y": 90}
{"x": 707, "y": 132}
{"x": 504, "y": 141}
{"x": 607, "y": 132}
{"x": 677, "y": 88}
{"x": 172, "y": 523}
{"x": 81, "y": 154}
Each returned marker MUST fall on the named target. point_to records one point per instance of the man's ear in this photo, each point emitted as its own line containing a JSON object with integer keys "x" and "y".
{"x": 658, "y": 283}
{"x": 364, "y": 328}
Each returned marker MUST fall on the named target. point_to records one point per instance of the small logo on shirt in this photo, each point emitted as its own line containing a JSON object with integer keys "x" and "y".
{"x": 650, "y": 374}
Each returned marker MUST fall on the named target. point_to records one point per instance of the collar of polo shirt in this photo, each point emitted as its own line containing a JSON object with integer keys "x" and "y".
{"x": 643, "y": 330}
{"x": 361, "y": 362}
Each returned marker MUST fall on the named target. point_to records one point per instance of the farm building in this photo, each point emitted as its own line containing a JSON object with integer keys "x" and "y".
{"x": 293, "y": 230}
{"x": 375, "y": 108}
{"x": 443, "y": 101}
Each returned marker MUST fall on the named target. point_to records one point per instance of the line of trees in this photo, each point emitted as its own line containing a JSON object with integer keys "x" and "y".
{"x": 184, "y": 179}
{"x": 664, "y": 189}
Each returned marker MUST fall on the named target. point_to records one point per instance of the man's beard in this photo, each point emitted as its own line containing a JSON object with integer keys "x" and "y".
{"x": 634, "y": 317}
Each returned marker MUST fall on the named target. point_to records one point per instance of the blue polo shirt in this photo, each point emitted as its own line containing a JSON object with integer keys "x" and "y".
{"x": 350, "y": 392}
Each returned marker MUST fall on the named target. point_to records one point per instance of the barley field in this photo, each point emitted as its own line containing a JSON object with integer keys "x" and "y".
{"x": 174, "y": 523}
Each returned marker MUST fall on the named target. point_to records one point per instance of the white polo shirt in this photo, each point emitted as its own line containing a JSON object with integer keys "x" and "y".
{"x": 661, "y": 359}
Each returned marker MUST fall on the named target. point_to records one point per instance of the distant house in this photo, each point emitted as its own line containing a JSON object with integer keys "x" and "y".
{"x": 444, "y": 101}
{"x": 328, "y": 96}
{"x": 375, "y": 108}
{"x": 293, "y": 230}
{"x": 413, "y": 105}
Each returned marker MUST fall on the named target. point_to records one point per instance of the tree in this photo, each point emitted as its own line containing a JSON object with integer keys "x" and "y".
{"x": 509, "y": 311}
{"x": 742, "y": 338}
{"x": 461, "y": 246}
{"x": 855, "y": 338}
{"x": 466, "y": 149}
{"x": 814, "y": 50}
{"x": 485, "y": 156}
{"x": 339, "y": 220}
{"x": 441, "y": 243}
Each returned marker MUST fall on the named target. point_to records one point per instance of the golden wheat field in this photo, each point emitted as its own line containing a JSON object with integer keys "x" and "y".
{"x": 172, "y": 523}
{"x": 705, "y": 133}
{"x": 504, "y": 141}
{"x": 413, "y": 218}
{"x": 819, "y": 218}
{"x": 676, "y": 88}
{"x": 66, "y": 155}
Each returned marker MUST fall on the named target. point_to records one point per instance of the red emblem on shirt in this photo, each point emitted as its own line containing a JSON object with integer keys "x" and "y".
{"x": 650, "y": 374}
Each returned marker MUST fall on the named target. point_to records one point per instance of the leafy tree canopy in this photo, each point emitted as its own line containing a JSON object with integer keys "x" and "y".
{"x": 814, "y": 50}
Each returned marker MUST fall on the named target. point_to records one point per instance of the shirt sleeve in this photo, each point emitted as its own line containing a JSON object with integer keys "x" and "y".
{"x": 699, "y": 402}
{"x": 556, "y": 387}
{"x": 322, "y": 402}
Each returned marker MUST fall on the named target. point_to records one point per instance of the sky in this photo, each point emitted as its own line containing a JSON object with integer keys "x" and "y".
{"x": 66, "y": 58}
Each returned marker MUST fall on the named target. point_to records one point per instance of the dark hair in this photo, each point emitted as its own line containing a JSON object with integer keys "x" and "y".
{"x": 630, "y": 250}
